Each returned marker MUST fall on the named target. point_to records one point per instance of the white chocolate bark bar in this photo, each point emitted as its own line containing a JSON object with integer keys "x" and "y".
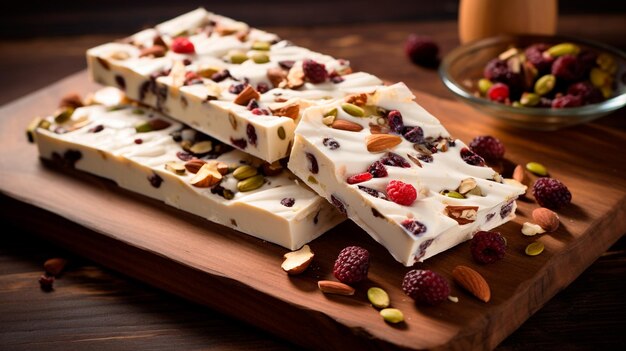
{"x": 351, "y": 153}
{"x": 201, "y": 83}
{"x": 148, "y": 153}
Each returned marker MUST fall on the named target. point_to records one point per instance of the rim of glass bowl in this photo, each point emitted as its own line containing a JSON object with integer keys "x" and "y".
{"x": 606, "y": 106}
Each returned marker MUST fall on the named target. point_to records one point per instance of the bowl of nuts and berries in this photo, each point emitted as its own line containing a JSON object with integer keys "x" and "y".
{"x": 538, "y": 82}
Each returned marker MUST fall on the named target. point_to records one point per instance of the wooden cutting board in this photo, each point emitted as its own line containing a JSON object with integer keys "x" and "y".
{"x": 241, "y": 276}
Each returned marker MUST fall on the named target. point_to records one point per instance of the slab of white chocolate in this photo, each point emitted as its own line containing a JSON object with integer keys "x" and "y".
{"x": 116, "y": 143}
{"x": 193, "y": 88}
{"x": 328, "y": 150}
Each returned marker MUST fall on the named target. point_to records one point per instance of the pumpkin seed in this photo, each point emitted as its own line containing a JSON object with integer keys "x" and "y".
{"x": 534, "y": 249}
{"x": 392, "y": 315}
{"x": 238, "y": 57}
{"x": 529, "y": 99}
{"x": 545, "y": 84}
{"x": 251, "y": 183}
{"x": 378, "y": 297}
{"x": 563, "y": 49}
{"x": 281, "y": 133}
{"x": 353, "y": 110}
{"x": 484, "y": 85}
{"x": 260, "y": 58}
{"x": 537, "y": 168}
{"x": 63, "y": 115}
{"x": 244, "y": 172}
{"x": 261, "y": 45}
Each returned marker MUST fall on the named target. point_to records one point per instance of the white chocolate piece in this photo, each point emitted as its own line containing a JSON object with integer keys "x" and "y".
{"x": 206, "y": 105}
{"x": 444, "y": 171}
{"x": 113, "y": 153}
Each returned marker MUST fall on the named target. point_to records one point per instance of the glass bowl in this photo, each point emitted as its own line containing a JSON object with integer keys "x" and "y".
{"x": 461, "y": 69}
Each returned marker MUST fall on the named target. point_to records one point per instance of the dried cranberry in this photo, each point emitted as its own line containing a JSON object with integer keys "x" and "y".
{"x": 395, "y": 160}
{"x": 498, "y": 92}
{"x": 120, "y": 81}
{"x": 413, "y": 226}
{"x": 314, "y": 72}
{"x": 506, "y": 210}
{"x": 313, "y": 166}
{"x": 498, "y": 71}
{"x": 338, "y": 203}
{"x": 220, "y": 76}
{"x": 586, "y": 91}
{"x": 96, "y": 129}
{"x": 46, "y": 282}
{"x": 471, "y": 158}
{"x": 288, "y": 201}
{"x": 425, "y": 158}
{"x": 336, "y": 79}
{"x": 70, "y": 157}
{"x": 252, "y": 104}
{"x": 566, "y": 101}
{"x": 534, "y": 54}
{"x": 240, "y": 143}
{"x": 422, "y": 50}
{"x": 359, "y": 178}
{"x": 182, "y": 45}
{"x": 567, "y": 68}
{"x": 262, "y": 88}
{"x": 422, "y": 249}
{"x": 155, "y": 180}
{"x": 413, "y": 134}
{"x": 237, "y": 88}
{"x": 286, "y": 64}
{"x": 138, "y": 141}
{"x": 394, "y": 119}
{"x": 373, "y": 192}
{"x": 331, "y": 143}
{"x": 377, "y": 169}
{"x": 260, "y": 112}
{"x": 184, "y": 156}
{"x": 251, "y": 133}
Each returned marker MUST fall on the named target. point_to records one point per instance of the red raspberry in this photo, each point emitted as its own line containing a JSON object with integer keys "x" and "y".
{"x": 352, "y": 265}
{"x": 567, "y": 101}
{"x": 498, "y": 92}
{"x": 401, "y": 193}
{"x": 488, "y": 147}
{"x": 568, "y": 68}
{"x": 534, "y": 54}
{"x": 587, "y": 92}
{"x": 182, "y": 45}
{"x": 426, "y": 286}
{"x": 487, "y": 247}
{"x": 551, "y": 193}
{"x": 314, "y": 72}
{"x": 359, "y": 178}
{"x": 421, "y": 50}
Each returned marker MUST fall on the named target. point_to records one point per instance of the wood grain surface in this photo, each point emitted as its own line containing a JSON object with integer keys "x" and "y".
{"x": 240, "y": 276}
{"x": 555, "y": 149}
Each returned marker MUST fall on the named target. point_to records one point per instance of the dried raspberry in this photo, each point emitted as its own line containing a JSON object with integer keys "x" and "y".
{"x": 586, "y": 91}
{"x": 422, "y": 50}
{"x": 487, "y": 247}
{"x": 359, "y": 178}
{"x": 314, "y": 72}
{"x": 567, "y": 101}
{"x": 395, "y": 160}
{"x": 394, "y": 119}
{"x": 534, "y": 54}
{"x": 414, "y": 227}
{"x": 498, "y": 92}
{"x": 551, "y": 193}
{"x": 426, "y": 286}
{"x": 498, "y": 71}
{"x": 413, "y": 134}
{"x": 568, "y": 68}
{"x": 182, "y": 45}
{"x": 352, "y": 265}
{"x": 401, "y": 193}
{"x": 471, "y": 158}
{"x": 377, "y": 169}
{"x": 488, "y": 147}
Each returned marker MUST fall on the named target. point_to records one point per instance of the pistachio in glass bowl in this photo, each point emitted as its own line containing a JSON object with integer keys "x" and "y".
{"x": 538, "y": 93}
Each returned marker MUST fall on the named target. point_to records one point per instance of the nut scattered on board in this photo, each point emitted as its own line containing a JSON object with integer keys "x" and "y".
{"x": 333, "y": 287}
{"x": 530, "y": 229}
{"x": 392, "y": 315}
{"x": 547, "y": 219}
{"x": 54, "y": 266}
{"x": 534, "y": 249}
{"x": 378, "y": 297}
{"x": 297, "y": 262}
{"x": 472, "y": 281}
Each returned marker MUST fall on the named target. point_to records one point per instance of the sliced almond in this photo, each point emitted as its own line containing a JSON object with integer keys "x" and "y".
{"x": 297, "y": 262}
{"x": 546, "y": 219}
{"x": 178, "y": 74}
{"x": 247, "y": 94}
{"x": 201, "y": 147}
{"x": 295, "y": 78}
{"x": 462, "y": 214}
{"x": 333, "y": 287}
{"x": 291, "y": 110}
{"x": 473, "y": 282}
{"x": 207, "y": 176}
{"x": 175, "y": 167}
{"x": 194, "y": 165}
{"x": 530, "y": 229}
{"x": 382, "y": 142}
{"x": 519, "y": 174}
{"x": 349, "y": 126}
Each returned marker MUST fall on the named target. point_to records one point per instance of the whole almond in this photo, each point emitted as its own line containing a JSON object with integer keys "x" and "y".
{"x": 519, "y": 174}
{"x": 247, "y": 94}
{"x": 291, "y": 110}
{"x": 333, "y": 287}
{"x": 349, "y": 126}
{"x": 472, "y": 281}
{"x": 54, "y": 266}
{"x": 194, "y": 165}
{"x": 154, "y": 50}
{"x": 382, "y": 142}
{"x": 276, "y": 75}
{"x": 546, "y": 219}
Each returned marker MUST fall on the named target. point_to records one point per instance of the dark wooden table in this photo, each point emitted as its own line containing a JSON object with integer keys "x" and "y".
{"x": 94, "y": 308}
